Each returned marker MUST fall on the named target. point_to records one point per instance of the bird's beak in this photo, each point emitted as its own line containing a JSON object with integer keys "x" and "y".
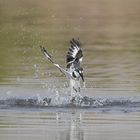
{"x": 82, "y": 77}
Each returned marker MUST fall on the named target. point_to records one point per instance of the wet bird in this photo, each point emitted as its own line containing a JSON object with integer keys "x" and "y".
{"x": 73, "y": 71}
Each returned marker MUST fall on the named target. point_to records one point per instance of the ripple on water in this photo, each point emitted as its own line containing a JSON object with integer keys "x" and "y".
{"x": 102, "y": 104}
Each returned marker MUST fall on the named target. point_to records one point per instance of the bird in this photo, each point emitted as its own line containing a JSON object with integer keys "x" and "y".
{"x": 73, "y": 70}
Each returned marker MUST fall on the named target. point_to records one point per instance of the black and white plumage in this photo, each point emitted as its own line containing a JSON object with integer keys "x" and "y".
{"x": 74, "y": 55}
{"x": 73, "y": 71}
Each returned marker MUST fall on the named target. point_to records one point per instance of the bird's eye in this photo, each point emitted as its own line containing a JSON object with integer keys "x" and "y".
{"x": 74, "y": 74}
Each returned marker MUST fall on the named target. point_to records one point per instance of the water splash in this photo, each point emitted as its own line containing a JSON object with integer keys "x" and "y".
{"x": 65, "y": 101}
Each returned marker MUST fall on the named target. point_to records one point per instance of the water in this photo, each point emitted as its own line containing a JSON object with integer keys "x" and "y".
{"x": 34, "y": 95}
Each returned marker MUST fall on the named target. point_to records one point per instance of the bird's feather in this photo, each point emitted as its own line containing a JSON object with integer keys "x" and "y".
{"x": 74, "y": 54}
{"x": 49, "y": 57}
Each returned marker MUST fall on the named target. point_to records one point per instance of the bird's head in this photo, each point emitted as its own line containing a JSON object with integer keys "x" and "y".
{"x": 78, "y": 73}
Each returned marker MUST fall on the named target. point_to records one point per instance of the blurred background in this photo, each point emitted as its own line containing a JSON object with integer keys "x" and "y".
{"x": 108, "y": 29}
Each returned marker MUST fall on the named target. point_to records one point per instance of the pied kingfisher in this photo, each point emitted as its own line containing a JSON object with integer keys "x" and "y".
{"x": 73, "y": 69}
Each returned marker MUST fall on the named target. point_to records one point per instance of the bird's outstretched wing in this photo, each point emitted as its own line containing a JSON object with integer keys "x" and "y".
{"x": 44, "y": 51}
{"x": 49, "y": 57}
{"x": 74, "y": 54}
